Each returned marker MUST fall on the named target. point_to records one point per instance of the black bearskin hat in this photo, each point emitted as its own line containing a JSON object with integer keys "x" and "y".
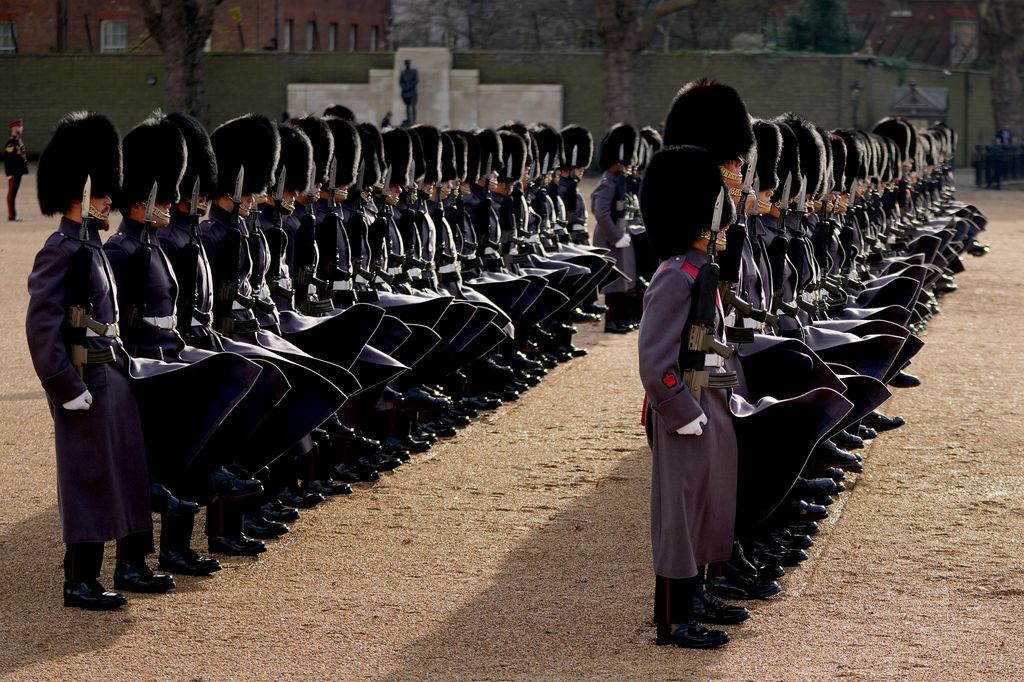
{"x": 200, "y": 159}
{"x": 460, "y": 153}
{"x": 513, "y": 159}
{"x": 490, "y": 151}
{"x": 899, "y": 131}
{"x": 372, "y": 147}
{"x": 249, "y": 141}
{"x": 347, "y": 150}
{"x": 154, "y": 151}
{"x": 653, "y": 139}
{"x": 712, "y": 115}
{"x": 471, "y": 172}
{"x": 577, "y": 146}
{"x": 430, "y": 142}
{"x": 296, "y": 158}
{"x": 812, "y": 154}
{"x": 83, "y": 144}
{"x": 789, "y": 162}
{"x": 769, "y": 148}
{"x": 449, "y": 166}
{"x": 549, "y": 148}
{"x": 854, "y": 158}
{"x": 618, "y": 146}
{"x": 340, "y": 111}
{"x": 398, "y": 152}
{"x": 838, "y": 144}
{"x": 319, "y": 135}
{"x": 677, "y": 177}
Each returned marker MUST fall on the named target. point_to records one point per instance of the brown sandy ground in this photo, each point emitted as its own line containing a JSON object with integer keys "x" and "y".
{"x": 519, "y": 550}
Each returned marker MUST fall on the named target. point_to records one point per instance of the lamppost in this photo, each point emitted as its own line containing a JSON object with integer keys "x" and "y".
{"x": 855, "y": 90}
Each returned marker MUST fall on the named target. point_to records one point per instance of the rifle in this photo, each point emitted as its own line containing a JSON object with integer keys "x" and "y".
{"x": 188, "y": 272}
{"x": 699, "y": 344}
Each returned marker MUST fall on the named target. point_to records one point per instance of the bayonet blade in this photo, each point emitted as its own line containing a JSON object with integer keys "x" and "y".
{"x": 86, "y": 195}
{"x": 786, "y": 189}
{"x": 237, "y": 197}
{"x": 801, "y": 202}
{"x": 716, "y": 217}
{"x": 751, "y": 167}
{"x": 387, "y": 180}
{"x": 194, "y": 205}
{"x": 575, "y": 152}
{"x": 311, "y": 188}
{"x": 359, "y": 176}
{"x": 150, "y": 205}
{"x": 332, "y": 174}
{"x": 279, "y": 192}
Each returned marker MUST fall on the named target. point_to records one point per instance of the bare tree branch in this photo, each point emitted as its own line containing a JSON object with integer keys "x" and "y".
{"x": 658, "y": 13}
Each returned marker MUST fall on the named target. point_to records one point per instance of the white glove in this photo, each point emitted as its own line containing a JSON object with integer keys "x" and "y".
{"x": 694, "y": 427}
{"x": 82, "y": 402}
{"x": 623, "y": 242}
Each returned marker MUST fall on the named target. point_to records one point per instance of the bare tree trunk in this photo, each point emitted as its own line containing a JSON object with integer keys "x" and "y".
{"x": 1004, "y": 47}
{"x": 617, "y": 65}
{"x": 181, "y": 28}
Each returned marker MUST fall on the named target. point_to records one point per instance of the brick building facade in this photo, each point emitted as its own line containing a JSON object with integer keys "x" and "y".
{"x": 117, "y": 26}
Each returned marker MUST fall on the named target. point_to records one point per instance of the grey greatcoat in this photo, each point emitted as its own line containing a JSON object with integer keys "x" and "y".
{"x": 102, "y": 479}
{"x": 607, "y": 233}
{"x": 693, "y": 478}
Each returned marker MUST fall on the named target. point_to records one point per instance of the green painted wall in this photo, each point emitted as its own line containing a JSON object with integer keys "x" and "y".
{"x": 42, "y": 88}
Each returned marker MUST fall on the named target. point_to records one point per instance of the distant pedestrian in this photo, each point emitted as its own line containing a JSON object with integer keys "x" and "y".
{"x": 15, "y": 166}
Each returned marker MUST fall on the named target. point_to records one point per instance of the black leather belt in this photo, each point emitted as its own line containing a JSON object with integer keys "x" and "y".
{"x": 229, "y": 326}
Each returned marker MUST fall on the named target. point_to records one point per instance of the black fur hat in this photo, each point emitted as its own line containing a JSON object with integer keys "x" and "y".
{"x": 296, "y": 157}
{"x": 418, "y": 167}
{"x": 319, "y": 135}
{"x": 83, "y": 144}
{"x": 899, "y": 131}
{"x": 249, "y": 141}
{"x": 347, "y": 149}
{"x": 398, "y": 152}
{"x": 490, "y": 150}
{"x": 653, "y": 138}
{"x": 839, "y": 152}
{"x": 769, "y": 148}
{"x": 372, "y": 147}
{"x": 430, "y": 142}
{"x": 340, "y": 111}
{"x": 549, "y": 148}
{"x": 854, "y": 167}
{"x": 460, "y": 153}
{"x": 513, "y": 159}
{"x": 686, "y": 177}
{"x": 471, "y": 172}
{"x": 201, "y": 161}
{"x": 812, "y": 154}
{"x": 789, "y": 162}
{"x": 712, "y": 115}
{"x": 577, "y": 146}
{"x": 449, "y": 150}
{"x": 154, "y": 151}
{"x": 618, "y": 146}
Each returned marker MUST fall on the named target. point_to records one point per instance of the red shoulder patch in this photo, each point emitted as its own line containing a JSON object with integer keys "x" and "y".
{"x": 690, "y": 269}
{"x": 669, "y": 379}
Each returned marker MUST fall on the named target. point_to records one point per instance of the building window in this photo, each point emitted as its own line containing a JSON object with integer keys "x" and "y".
{"x": 901, "y": 9}
{"x": 353, "y": 37}
{"x": 310, "y": 36}
{"x": 113, "y": 35}
{"x": 332, "y": 37}
{"x": 286, "y": 42}
{"x": 8, "y": 37}
{"x": 374, "y": 30}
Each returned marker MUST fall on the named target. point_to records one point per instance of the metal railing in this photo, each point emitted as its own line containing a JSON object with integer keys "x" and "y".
{"x": 995, "y": 164}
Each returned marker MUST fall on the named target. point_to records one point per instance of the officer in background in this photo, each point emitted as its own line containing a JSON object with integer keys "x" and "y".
{"x": 15, "y": 166}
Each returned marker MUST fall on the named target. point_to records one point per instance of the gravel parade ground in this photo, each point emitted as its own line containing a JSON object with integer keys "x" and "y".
{"x": 520, "y": 550}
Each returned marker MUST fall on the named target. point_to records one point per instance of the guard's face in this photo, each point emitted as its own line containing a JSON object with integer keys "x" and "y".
{"x": 99, "y": 211}
{"x": 763, "y": 205}
{"x": 161, "y": 215}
